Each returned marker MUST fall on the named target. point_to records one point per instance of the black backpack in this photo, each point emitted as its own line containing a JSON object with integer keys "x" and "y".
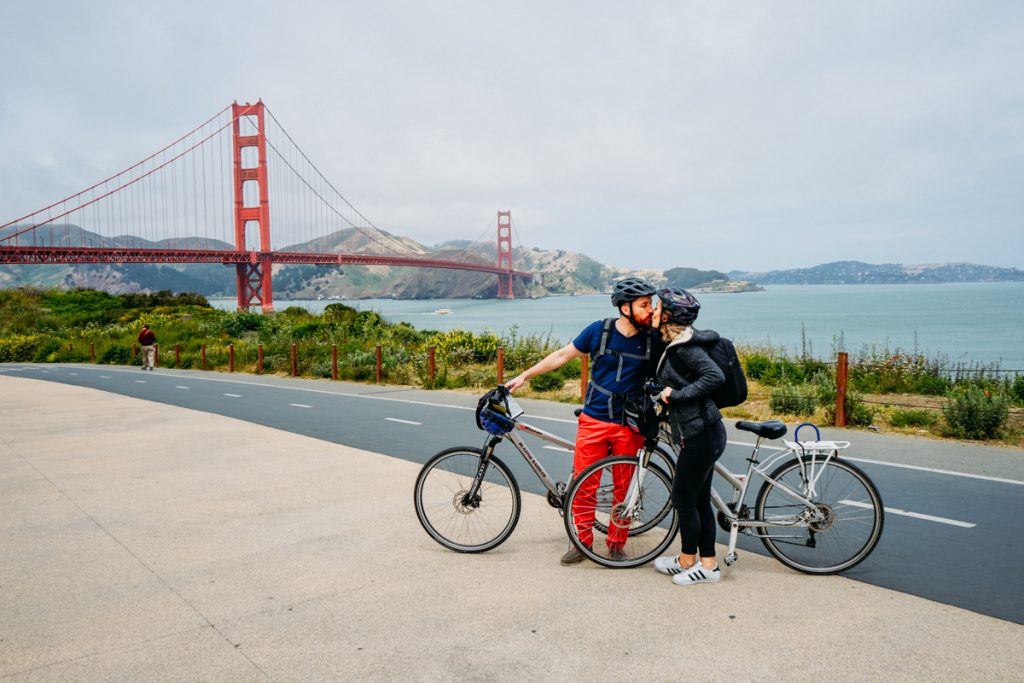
{"x": 734, "y": 390}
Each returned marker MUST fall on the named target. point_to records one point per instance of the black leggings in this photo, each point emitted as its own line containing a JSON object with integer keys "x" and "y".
{"x": 691, "y": 489}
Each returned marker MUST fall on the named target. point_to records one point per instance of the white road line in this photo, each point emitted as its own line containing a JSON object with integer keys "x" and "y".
{"x": 234, "y": 395}
{"x": 73, "y": 374}
{"x": 178, "y": 386}
{"x": 915, "y": 515}
{"x": 300, "y": 405}
{"x": 951, "y": 473}
{"x": 140, "y": 381}
{"x": 405, "y": 422}
{"x": 938, "y": 471}
{"x": 104, "y": 376}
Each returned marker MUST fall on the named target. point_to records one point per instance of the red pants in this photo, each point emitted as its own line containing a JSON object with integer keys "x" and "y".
{"x": 596, "y": 439}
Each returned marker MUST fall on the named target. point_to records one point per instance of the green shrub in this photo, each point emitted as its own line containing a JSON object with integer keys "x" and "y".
{"x": 551, "y": 381}
{"x": 912, "y": 418}
{"x": 1017, "y": 388}
{"x": 19, "y": 347}
{"x": 974, "y": 413}
{"x": 757, "y": 366}
{"x": 792, "y": 400}
{"x": 858, "y": 413}
{"x": 117, "y": 355}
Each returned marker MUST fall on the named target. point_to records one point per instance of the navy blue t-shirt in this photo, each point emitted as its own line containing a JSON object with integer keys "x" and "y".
{"x": 603, "y": 371}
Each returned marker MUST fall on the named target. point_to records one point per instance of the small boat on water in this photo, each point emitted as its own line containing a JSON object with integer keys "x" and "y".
{"x": 443, "y": 311}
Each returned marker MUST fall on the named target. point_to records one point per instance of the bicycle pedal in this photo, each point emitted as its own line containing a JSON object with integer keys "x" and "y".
{"x": 731, "y": 559}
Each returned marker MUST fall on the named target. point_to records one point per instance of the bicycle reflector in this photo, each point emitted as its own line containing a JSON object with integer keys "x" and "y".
{"x": 494, "y": 414}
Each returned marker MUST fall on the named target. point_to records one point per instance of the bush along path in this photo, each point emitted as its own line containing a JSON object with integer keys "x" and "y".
{"x": 884, "y": 389}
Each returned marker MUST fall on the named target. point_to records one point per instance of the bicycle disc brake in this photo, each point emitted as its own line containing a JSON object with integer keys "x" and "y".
{"x": 463, "y": 504}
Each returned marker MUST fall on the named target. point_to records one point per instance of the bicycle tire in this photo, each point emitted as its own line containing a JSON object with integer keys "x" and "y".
{"x": 451, "y": 520}
{"x": 852, "y": 528}
{"x": 639, "y": 547}
{"x": 664, "y": 460}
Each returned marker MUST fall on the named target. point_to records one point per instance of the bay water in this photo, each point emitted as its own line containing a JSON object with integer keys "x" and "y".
{"x": 979, "y": 323}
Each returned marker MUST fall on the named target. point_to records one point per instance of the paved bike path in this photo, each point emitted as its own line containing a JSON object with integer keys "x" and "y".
{"x": 142, "y": 541}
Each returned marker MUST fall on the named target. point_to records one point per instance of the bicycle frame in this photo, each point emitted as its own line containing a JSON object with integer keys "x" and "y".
{"x": 542, "y": 474}
{"x": 731, "y": 512}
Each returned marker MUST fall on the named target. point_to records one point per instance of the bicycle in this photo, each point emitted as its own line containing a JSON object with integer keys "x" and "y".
{"x": 468, "y": 500}
{"x": 814, "y": 513}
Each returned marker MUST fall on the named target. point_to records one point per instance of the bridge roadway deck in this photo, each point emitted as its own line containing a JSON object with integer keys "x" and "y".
{"x": 142, "y": 541}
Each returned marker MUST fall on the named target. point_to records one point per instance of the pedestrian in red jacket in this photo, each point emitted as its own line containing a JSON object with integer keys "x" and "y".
{"x": 146, "y": 340}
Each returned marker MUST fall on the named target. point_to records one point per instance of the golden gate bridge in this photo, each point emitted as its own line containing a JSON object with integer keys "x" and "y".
{"x": 179, "y": 206}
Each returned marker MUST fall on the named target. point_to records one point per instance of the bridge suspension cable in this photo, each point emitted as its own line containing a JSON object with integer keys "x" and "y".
{"x": 305, "y": 215}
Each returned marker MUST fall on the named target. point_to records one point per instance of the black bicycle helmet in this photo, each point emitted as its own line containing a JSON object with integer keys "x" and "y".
{"x": 630, "y": 289}
{"x": 681, "y": 306}
{"x": 493, "y": 413}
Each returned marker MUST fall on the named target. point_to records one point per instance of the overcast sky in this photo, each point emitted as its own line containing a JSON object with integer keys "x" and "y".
{"x": 749, "y": 135}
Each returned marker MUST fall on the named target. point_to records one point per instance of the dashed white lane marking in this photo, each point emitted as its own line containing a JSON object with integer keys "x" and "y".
{"x": 178, "y": 386}
{"x": 104, "y": 376}
{"x": 140, "y": 381}
{"x": 73, "y": 374}
{"x": 300, "y": 405}
{"x": 405, "y": 422}
{"x": 915, "y": 515}
{"x": 234, "y": 395}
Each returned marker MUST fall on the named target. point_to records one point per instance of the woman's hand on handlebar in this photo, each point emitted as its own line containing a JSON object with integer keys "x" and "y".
{"x": 665, "y": 395}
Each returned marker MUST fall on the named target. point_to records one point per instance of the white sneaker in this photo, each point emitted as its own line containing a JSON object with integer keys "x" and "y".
{"x": 668, "y": 564}
{"x": 698, "y": 573}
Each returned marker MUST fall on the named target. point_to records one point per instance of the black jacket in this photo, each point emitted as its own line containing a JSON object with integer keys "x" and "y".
{"x": 693, "y": 376}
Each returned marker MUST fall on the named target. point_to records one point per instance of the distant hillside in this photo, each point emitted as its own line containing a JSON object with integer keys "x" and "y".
{"x": 859, "y": 273}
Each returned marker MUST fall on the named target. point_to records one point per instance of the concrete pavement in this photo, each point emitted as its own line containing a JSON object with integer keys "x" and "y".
{"x": 144, "y": 542}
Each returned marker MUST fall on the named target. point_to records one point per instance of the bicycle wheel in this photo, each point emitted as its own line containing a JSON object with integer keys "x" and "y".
{"x": 448, "y": 514}
{"x": 663, "y": 459}
{"x": 837, "y": 534}
{"x": 595, "y": 500}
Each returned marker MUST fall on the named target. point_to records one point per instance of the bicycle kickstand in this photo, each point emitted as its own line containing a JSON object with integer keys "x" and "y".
{"x": 731, "y": 556}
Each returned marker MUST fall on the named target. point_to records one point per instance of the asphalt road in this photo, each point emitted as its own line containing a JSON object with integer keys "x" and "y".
{"x": 954, "y": 520}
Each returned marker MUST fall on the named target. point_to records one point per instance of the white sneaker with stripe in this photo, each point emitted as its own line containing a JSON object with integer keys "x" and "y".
{"x": 697, "y": 574}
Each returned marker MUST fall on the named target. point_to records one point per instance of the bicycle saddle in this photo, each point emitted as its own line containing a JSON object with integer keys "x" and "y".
{"x": 772, "y": 429}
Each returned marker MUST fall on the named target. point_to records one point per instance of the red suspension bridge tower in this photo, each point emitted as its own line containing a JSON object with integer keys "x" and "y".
{"x": 505, "y": 255}
{"x": 254, "y": 286}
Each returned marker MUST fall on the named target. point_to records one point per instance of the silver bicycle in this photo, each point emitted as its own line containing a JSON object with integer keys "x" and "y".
{"x": 620, "y": 508}
{"x": 814, "y": 512}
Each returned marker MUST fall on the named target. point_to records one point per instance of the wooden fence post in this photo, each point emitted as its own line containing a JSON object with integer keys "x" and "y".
{"x": 501, "y": 365}
{"x": 841, "y": 372}
{"x": 259, "y": 359}
{"x": 156, "y": 355}
{"x": 92, "y": 353}
{"x": 295, "y": 361}
{"x": 380, "y": 364}
{"x": 334, "y": 361}
{"x": 431, "y": 365}
{"x": 202, "y": 356}
{"x": 177, "y": 355}
{"x": 231, "y": 357}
